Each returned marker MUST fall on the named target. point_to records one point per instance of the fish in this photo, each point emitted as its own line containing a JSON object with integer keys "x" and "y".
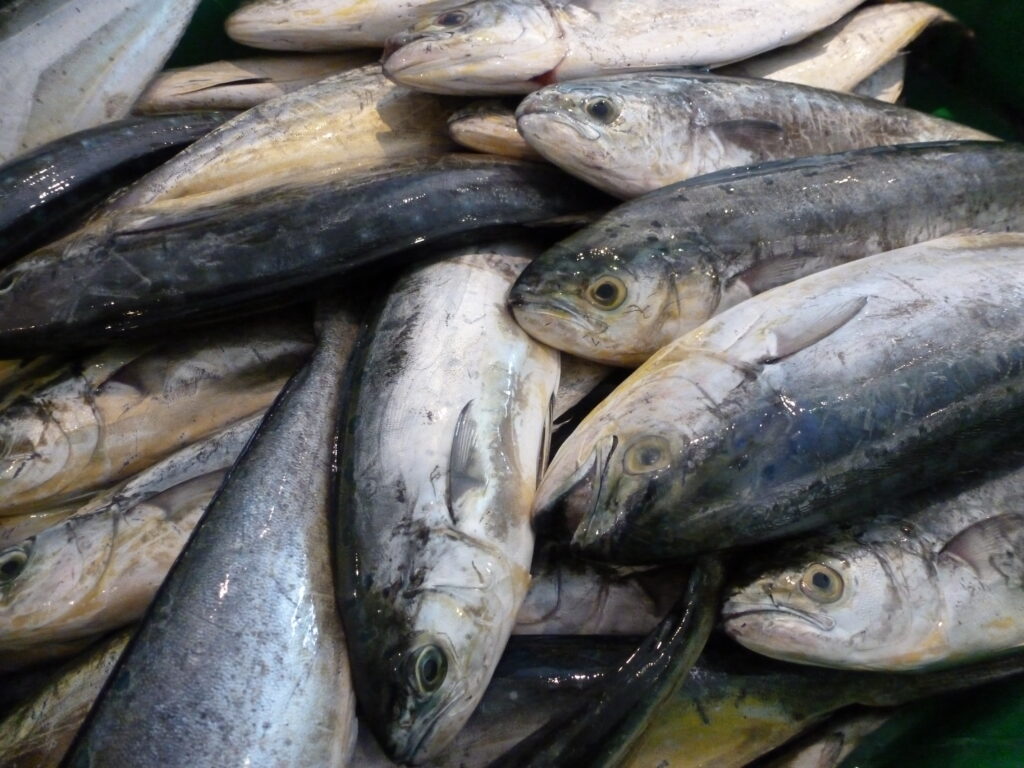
{"x": 240, "y": 83}
{"x": 802, "y": 406}
{"x": 657, "y": 267}
{"x": 606, "y": 729}
{"x": 577, "y": 379}
{"x": 515, "y": 46}
{"x": 98, "y": 569}
{"x": 843, "y": 55}
{"x": 928, "y": 582}
{"x": 39, "y": 731}
{"x": 886, "y": 84}
{"x": 829, "y": 745}
{"x": 114, "y": 279}
{"x": 121, "y": 411}
{"x": 242, "y": 652}
{"x": 489, "y": 127}
{"x": 352, "y": 121}
{"x": 734, "y": 706}
{"x": 47, "y": 192}
{"x": 66, "y": 66}
{"x": 634, "y": 133}
{"x": 325, "y": 25}
{"x": 442, "y": 451}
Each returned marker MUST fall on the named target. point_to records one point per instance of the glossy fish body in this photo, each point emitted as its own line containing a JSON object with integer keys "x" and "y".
{"x": 325, "y": 25}
{"x": 659, "y": 266}
{"x": 66, "y": 66}
{"x": 489, "y": 126}
{"x": 46, "y": 192}
{"x": 802, "y": 405}
{"x": 242, "y": 653}
{"x": 240, "y": 83}
{"x": 353, "y": 121}
{"x": 933, "y": 581}
{"x": 848, "y": 52}
{"x": 633, "y": 133}
{"x": 514, "y": 46}
{"x": 38, "y": 732}
{"x": 122, "y": 412}
{"x": 443, "y": 451}
{"x": 114, "y": 278}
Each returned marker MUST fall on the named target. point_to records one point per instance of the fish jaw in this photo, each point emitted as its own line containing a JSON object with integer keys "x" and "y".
{"x": 488, "y": 47}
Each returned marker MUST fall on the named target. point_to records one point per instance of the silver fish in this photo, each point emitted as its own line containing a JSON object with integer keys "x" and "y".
{"x": 445, "y": 445}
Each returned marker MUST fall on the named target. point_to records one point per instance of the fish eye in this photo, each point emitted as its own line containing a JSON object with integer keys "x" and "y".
{"x": 452, "y": 19}
{"x": 13, "y": 562}
{"x": 7, "y": 281}
{"x": 602, "y": 109}
{"x": 430, "y": 666}
{"x": 607, "y": 293}
{"x": 648, "y": 454}
{"x": 822, "y": 584}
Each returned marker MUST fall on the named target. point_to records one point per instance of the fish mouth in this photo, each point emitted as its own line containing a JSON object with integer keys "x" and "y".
{"x": 824, "y": 623}
{"x": 410, "y": 751}
{"x": 585, "y": 130}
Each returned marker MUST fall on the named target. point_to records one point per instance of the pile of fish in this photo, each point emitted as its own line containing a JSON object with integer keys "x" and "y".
{"x": 680, "y": 427}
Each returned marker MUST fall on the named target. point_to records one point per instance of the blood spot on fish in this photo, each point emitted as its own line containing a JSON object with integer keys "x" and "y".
{"x": 547, "y": 78}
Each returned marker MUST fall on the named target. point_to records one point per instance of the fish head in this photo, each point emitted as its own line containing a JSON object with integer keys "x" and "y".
{"x": 603, "y": 131}
{"x": 486, "y": 47}
{"x": 604, "y": 296}
{"x": 845, "y": 606}
{"x": 438, "y": 660}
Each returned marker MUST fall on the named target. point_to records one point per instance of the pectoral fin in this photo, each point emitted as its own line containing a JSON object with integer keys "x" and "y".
{"x": 757, "y": 136}
{"x": 805, "y": 330}
{"x": 993, "y": 548}
{"x": 465, "y": 471}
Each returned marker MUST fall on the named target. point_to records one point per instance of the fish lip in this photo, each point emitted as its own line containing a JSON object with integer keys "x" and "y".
{"x": 824, "y": 623}
{"x": 585, "y": 130}
{"x": 410, "y": 753}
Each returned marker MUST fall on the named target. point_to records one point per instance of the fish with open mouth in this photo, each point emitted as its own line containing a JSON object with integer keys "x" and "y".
{"x": 658, "y": 266}
{"x": 632, "y": 133}
{"x": 516, "y": 46}
{"x": 801, "y": 406}
{"x": 442, "y": 452}
{"x": 489, "y": 126}
{"x": 933, "y": 581}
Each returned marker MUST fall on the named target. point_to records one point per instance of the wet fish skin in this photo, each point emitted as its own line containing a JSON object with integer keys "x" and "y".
{"x": 240, "y": 83}
{"x": 514, "y": 46}
{"x": 130, "y": 406}
{"x": 633, "y": 133}
{"x": 350, "y": 122}
{"x": 66, "y": 66}
{"x": 490, "y": 127}
{"x": 317, "y": 231}
{"x": 929, "y": 582}
{"x": 668, "y": 261}
{"x": 46, "y": 192}
{"x": 829, "y": 745}
{"x": 780, "y": 415}
{"x": 325, "y": 25}
{"x": 255, "y": 665}
{"x": 441, "y": 457}
{"x": 846, "y": 53}
{"x": 39, "y": 731}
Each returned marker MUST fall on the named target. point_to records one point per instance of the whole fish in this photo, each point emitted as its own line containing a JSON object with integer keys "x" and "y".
{"x": 659, "y": 266}
{"x": 240, "y": 83}
{"x": 115, "y": 277}
{"x": 353, "y": 121}
{"x": 930, "y": 582}
{"x": 443, "y": 450}
{"x": 39, "y": 731}
{"x": 45, "y": 193}
{"x": 886, "y": 84}
{"x": 848, "y": 52}
{"x": 489, "y": 126}
{"x": 66, "y": 65}
{"x": 515, "y": 46}
{"x": 118, "y": 414}
{"x": 803, "y": 405}
{"x": 734, "y": 707}
{"x": 325, "y": 25}
{"x": 242, "y": 653}
{"x": 633, "y": 133}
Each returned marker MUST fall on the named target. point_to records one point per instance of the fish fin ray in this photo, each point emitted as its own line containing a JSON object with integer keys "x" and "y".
{"x": 775, "y": 272}
{"x": 993, "y": 548}
{"x": 464, "y": 471}
{"x": 786, "y": 341}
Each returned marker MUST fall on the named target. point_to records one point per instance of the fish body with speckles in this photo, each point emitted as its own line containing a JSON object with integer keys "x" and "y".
{"x": 443, "y": 448}
{"x": 798, "y": 407}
